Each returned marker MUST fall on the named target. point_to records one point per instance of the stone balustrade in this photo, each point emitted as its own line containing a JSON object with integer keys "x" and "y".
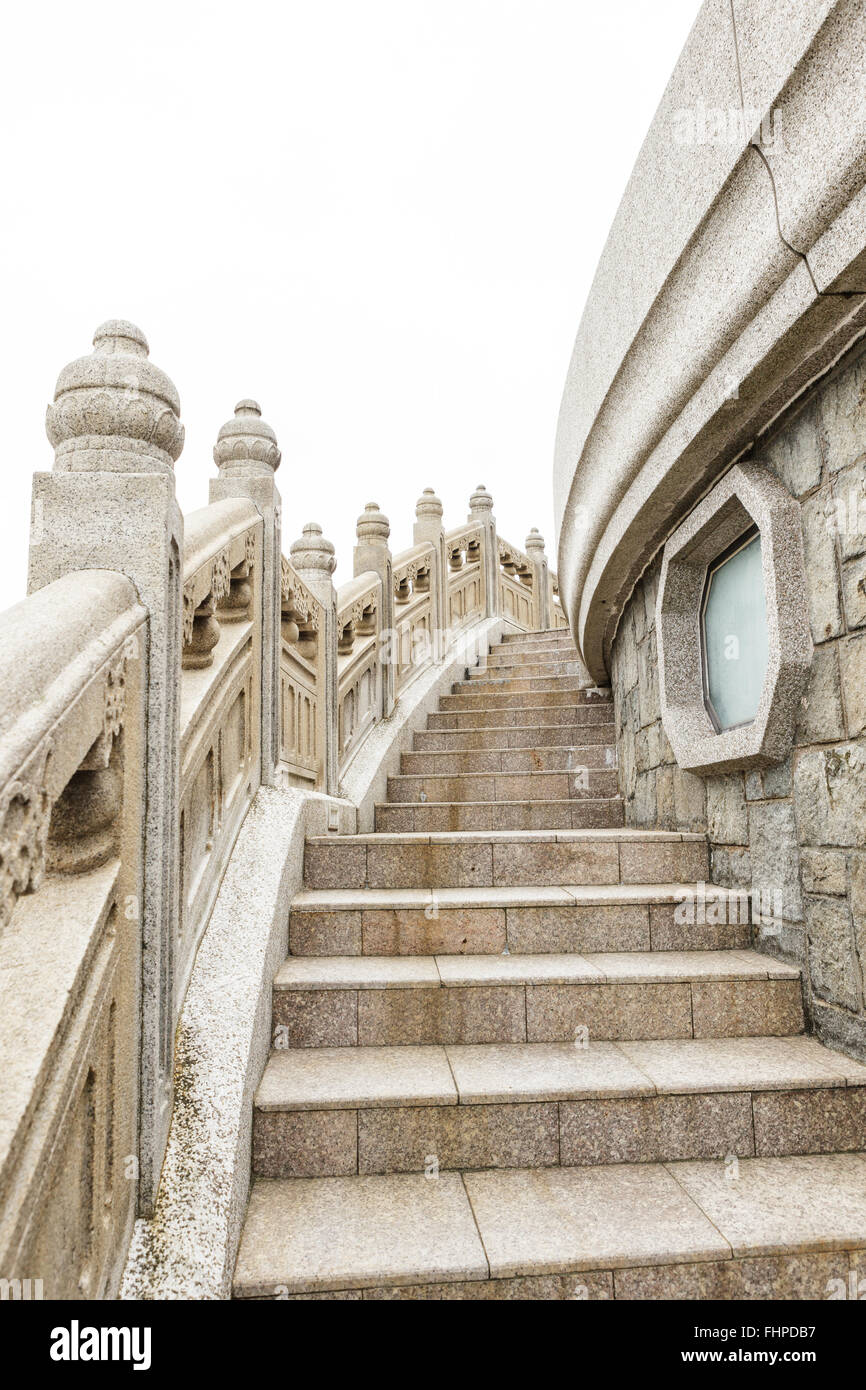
{"x": 72, "y": 761}
{"x": 160, "y": 672}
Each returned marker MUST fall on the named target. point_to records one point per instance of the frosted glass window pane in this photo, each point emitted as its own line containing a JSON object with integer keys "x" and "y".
{"x": 735, "y": 636}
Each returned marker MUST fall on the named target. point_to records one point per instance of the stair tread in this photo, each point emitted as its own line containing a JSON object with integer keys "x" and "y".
{"x": 315, "y": 1234}
{"x": 473, "y": 776}
{"x": 526, "y": 709}
{"x": 521, "y": 895}
{"x": 444, "y": 837}
{"x": 495, "y": 1073}
{"x": 456, "y": 971}
{"x": 518, "y": 801}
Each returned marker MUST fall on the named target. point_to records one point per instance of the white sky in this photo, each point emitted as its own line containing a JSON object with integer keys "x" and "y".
{"x": 380, "y": 218}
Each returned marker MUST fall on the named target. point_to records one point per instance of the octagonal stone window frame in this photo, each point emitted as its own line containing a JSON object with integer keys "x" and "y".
{"x": 746, "y": 497}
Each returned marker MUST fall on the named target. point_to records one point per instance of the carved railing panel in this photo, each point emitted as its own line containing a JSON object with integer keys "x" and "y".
{"x": 301, "y": 625}
{"x": 219, "y": 712}
{"x": 359, "y": 668}
{"x": 466, "y": 591}
{"x": 71, "y": 810}
{"x": 412, "y": 646}
{"x": 516, "y": 597}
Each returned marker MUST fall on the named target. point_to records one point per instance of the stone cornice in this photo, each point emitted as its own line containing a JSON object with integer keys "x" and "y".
{"x": 705, "y": 319}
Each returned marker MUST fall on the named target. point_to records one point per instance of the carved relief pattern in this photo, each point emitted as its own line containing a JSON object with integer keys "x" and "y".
{"x": 221, "y": 577}
{"x": 25, "y": 815}
{"x": 355, "y": 613}
{"x": 115, "y": 696}
{"x": 295, "y": 595}
{"x": 188, "y": 611}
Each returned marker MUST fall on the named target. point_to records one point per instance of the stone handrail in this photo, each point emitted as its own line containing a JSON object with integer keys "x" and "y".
{"x": 72, "y": 717}
{"x": 143, "y": 702}
{"x": 220, "y": 723}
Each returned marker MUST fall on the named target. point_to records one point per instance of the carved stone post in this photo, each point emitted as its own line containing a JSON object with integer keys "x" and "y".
{"x": 540, "y": 580}
{"x": 247, "y": 456}
{"x": 373, "y": 553}
{"x": 110, "y": 504}
{"x": 428, "y": 530}
{"x": 481, "y": 510}
{"x": 313, "y": 558}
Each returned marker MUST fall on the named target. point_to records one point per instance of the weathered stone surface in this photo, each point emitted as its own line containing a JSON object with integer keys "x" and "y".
{"x": 848, "y": 512}
{"x": 852, "y": 656}
{"x": 842, "y": 414}
{"x": 824, "y": 871}
{"x": 822, "y": 579}
{"x": 689, "y": 800}
{"x": 775, "y": 858}
{"x": 794, "y": 455}
{"x": 821, "y": 717}
{"x": 830, "y": 795}
{"x": 727, "y": 813}
{"x": 833, "y": 965}
{"x": 854, "y": 592}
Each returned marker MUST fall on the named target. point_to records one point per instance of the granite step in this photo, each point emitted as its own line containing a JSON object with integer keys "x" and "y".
{"x": 557, "y": 758}
{"x": 398, "y": 1000}
{"x": 785, "y": 1229}
{"x": 549, "y": 637}
{"x": 519, "y": 737}
{"x": 484, "y": 699}
{"x": 426, "y": 816}
{"x": 508, "y": 683}
{"x": 525, "y": 920}
{"x": 499, "y": 677}
{"x": 584, "y": 692}
{"x": 505, "y": 666}
{"x": 331, "y": 1112}
{"x": 580, "y": 717}
{"x": 575, "y": 784}
{"x": 505, "y": 858}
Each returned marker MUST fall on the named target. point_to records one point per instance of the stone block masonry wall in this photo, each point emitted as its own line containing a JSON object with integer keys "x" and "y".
{"x": 794, "y": 833}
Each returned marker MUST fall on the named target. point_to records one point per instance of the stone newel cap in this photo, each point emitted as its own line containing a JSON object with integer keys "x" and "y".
{"x": 428, "y": 504}
{"x": 246, "y": 445}
{"x": 535, "y": 542}
{"x": 481, "y": 500}
{"x": 311, "y": 551}
{"x": 373, "y": 526}
{"x": 114, "y": 410}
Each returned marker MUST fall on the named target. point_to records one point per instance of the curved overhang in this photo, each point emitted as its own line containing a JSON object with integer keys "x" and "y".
{"x": 733, "y": 276}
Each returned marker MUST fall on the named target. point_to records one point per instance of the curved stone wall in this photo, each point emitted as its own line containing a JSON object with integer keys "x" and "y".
{"x": 734, "y": 275}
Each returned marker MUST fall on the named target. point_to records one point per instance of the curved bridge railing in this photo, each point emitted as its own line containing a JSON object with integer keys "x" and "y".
{"x": 161, "y": 670}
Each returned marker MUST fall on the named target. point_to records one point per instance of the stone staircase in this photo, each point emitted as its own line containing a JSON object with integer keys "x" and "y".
{"x": 506, "y": 1068}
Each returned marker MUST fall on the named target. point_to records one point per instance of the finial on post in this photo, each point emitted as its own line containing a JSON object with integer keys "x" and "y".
{"x": 428, "y": 505}
{"x": 373, "y": 527}
{"x": 481, "y": 502}
{"x": 535, "y": 544}
{"x": 246, "y": 445}
{"x": 114, "y": 411}
{"x": 312, "y": 552}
